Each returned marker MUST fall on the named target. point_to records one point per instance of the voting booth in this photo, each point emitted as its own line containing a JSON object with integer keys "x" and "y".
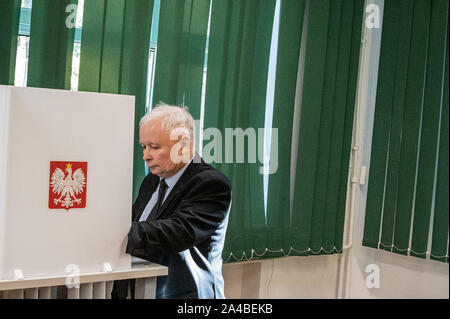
{"x": 66, "y": 167}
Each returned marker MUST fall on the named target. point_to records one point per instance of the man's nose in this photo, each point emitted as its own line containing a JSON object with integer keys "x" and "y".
{"x": 147, "y": 154}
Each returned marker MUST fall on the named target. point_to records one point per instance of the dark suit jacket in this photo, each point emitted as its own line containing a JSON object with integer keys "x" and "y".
{"x": 187, "y": 233}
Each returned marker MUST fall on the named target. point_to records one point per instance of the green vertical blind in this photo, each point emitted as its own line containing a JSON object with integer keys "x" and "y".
{"x": 51, "y": 45}
{"x": 180, "y": 58}
{"x": 238, "y": 58}
{"x": 290, "y": 34}
{"x": 115, "y": 44}
{"x": 9, "y": 26}
{"x": 326, "y": 122}
{"x": 407, "y": 201}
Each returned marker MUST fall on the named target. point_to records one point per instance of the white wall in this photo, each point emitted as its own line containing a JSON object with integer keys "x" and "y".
{"x": 400, "y": 276}
{"x": 289, "y": 277}
{"x": 316, "y": 277}
{"x": 344, "y": 276}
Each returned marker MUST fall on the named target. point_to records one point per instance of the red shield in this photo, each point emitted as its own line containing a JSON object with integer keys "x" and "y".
{"x": 67, "y": 185}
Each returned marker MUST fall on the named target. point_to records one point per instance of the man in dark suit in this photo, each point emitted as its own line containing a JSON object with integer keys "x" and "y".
{"x": 179, "y": 218}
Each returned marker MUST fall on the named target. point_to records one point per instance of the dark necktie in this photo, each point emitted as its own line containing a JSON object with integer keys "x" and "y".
{"x": 161, "y": 192}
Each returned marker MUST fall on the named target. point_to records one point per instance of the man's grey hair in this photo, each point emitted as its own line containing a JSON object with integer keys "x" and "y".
{"x": 173, "y": 117}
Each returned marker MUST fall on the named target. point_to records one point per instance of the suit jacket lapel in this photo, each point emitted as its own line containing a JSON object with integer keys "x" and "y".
{"x": 190, "y": 171}
{"x": 149, "y": 190}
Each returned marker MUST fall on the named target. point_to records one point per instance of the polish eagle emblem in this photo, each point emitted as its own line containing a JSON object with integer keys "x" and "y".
{"x": 67, "y": 187}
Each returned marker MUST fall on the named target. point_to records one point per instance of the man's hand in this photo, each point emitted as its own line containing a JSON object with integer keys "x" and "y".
{"x": 134, "y": 239}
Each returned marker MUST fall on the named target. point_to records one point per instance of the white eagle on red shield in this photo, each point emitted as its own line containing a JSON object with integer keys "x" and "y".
{"x": 67, "y": 188}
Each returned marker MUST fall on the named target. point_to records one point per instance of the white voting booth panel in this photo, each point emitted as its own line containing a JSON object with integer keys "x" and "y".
{"x": 38, "y": 126}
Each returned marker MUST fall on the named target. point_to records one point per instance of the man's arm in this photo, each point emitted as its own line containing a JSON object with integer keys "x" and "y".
{"x": 197, "y": 217}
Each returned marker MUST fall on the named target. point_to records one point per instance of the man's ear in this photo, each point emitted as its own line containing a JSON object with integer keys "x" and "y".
{"x": 185, "y": 142}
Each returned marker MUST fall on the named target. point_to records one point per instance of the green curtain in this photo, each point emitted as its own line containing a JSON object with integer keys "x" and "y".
{"x": 315, "y": 224}
{"x": 238, "y": 59}
{"x": 9, "y": 26}
{"x": 410, "y": 136}
{"x": 441, "y": 223}
{"x": 114, "y": 57}
{"x": 180, "y": 54}
{"x": 51, "y": 45}
{"x": 290, "y": 35}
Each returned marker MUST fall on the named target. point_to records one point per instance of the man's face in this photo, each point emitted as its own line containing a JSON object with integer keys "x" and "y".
{"x": 157, "y": 145}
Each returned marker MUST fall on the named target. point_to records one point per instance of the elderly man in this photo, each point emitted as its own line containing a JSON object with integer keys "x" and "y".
{"x": 180, "y": 215}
